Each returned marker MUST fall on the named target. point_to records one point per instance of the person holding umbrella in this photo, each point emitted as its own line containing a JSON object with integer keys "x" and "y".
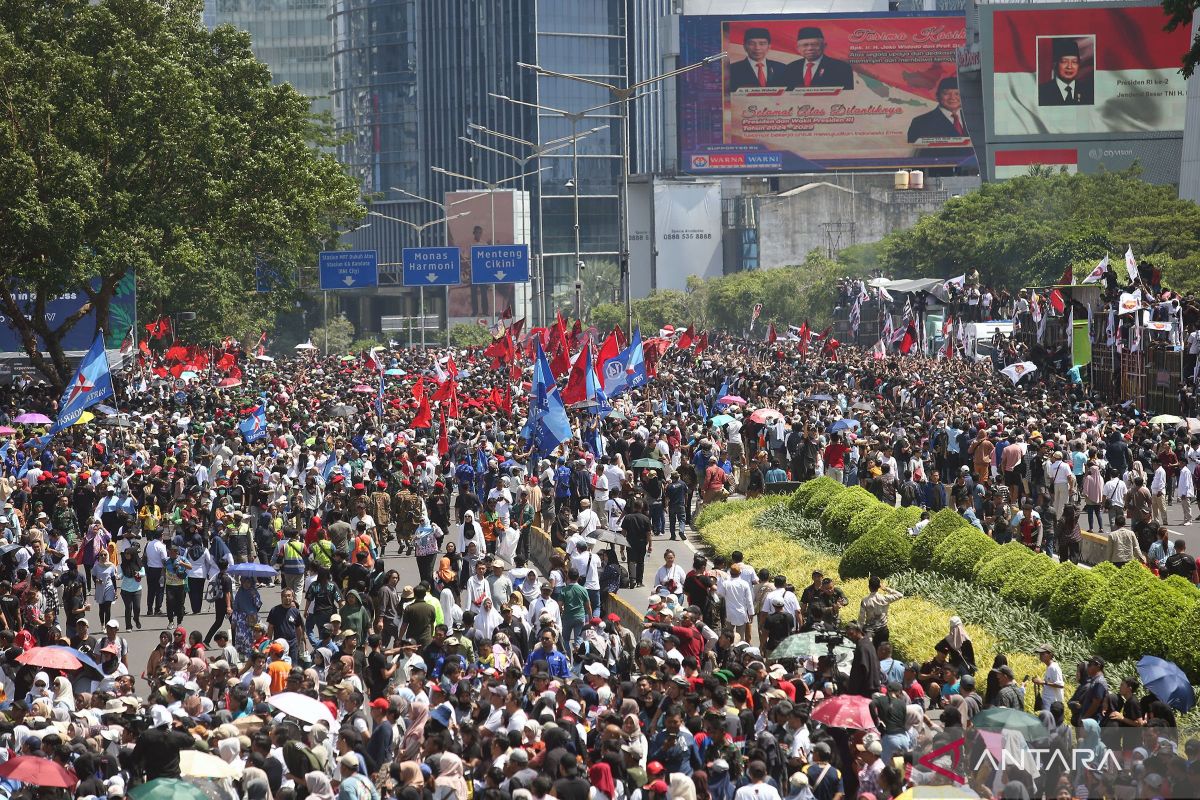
{"x": 246, "y": 604}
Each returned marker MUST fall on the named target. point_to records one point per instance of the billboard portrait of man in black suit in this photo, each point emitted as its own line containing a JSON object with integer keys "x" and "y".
{"x": 756, "y": 70}
{"x": 943, "y": 122}
{"x": 1068, "y": 86}
{"x": 814, "y": 68}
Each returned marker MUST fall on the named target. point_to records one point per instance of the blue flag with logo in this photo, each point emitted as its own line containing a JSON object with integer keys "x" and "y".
{"x": 327, "y": 470}
{"x": 254, "y": 427}
{"x": 627, "y": 369}
{"x": 379, "y": 399}
{"x": 91, "y": 384}
{"x": 548, "y": 423}
{"x": 723, "y": 391}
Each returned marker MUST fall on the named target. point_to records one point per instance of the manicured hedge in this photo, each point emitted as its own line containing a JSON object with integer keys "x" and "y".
{"x": 1106, "y": 570}
{"x": 1182, "y": 645}
{"x": 1047, "y": 585}
{"x": 1145, "y": 621}
{"x": 959, "y": 552}
{"x": 880, "y": 555}
{"x": 1120, "y": 589}
{"x": 900, "y": 519}
{"x": 865, "y": 519}
{"x": 1020, "y": 583}
{"x": 822, "y": 493}
{"x": 993, "y": 573}
{"x": 940, "y": 526}
{"x": 804, "y": 491}
{"x": 835, "y": 519}
{"x": 1073, "y": 595}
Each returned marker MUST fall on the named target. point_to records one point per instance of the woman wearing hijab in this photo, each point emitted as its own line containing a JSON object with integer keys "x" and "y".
{"x": 962, "y": 652}
{"x": 319, "y": 787}
{"x": 246, "y": 604}
{"x": 356, "y": 616}
{"x": 62, "y": 695}
{"x": 470, "y": 532}
{"x": 488, "y": 619}
{"x": 451, "y": 611}
{"x": 450, "y": 774}
{"x": 1089, "y": 742}
{"x": 39, "y": 689}
{"x": 203, "y": 566}
{"x": 601, "y": 778}
{"x": 720, "y": 784}
{"x": 409, "y": 748}
{"x": 506, "y": 543}
{"x": 681, "y": 787}
{"x": 105, "y": 576}
{"x": 445, "y": 577}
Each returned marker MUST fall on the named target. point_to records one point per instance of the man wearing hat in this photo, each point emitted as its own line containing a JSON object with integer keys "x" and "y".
{"x": 755, "y": 70}
{"x": 943, "y": 122}
{"x": 1068, "y": 86}
{"x": 814, "y": 68}
{"x": 1051, "y": 683}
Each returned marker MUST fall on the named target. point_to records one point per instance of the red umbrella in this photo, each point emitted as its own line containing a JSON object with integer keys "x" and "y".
{"x": 50, "y": 658}
{"x": 764, "y": 415}
{"x": 230, "y": 382}
{"x": 37, "y": 772}
{"x": 845, "y": 711}
{"x": 732, "y": 400}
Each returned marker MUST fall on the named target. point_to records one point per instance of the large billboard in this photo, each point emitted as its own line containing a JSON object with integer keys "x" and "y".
{"x": 122, "y": 314}
{"x": 687, "y": 233}
{"x": 802, "y": 93}
{"x": 1082, "y": 87}
{"x": 499, "y": 217}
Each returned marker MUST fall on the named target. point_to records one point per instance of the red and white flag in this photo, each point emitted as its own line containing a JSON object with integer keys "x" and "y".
{"x": 1131, "y": 265}
{"x": 772, "y": 337}
{"x": 1098, "y": 272}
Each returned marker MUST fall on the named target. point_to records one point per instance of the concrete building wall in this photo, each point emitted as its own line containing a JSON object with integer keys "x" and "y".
{"x": 1189, "y": 172}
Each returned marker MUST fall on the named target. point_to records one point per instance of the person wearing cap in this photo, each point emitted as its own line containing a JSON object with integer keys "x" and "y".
{"x": 1011, "y": 694}
{"x": 354, "y": 784}
{"x": 1051, "y": 683}
{"x": 1070, "y": 84}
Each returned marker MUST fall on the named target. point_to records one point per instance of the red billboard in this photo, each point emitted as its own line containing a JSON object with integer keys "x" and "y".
{"x": 1086, "y": 70}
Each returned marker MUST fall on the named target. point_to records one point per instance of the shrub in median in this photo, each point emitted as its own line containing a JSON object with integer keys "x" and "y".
{"x": 994, "y": 572}
{"x": 960, "y": 551}
{"x": 880, "y": 555}
{"x": 1146, "y": 621}
{"x": 1121, "y": 588}
{"x": 940, "y": 526}
{"x": 865, "y": 519}
{"x": 1182, "y": 645}
{"x": 799, "y": 498}
{"x": 899, "y": 519}
{"x": 1045, "y": 587}
{"x": 1072, "y": 596}
{"x": 835, "y": 518}
{"x": 1020, "y": 583}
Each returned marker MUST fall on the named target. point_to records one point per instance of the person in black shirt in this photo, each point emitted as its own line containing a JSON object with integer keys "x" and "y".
{"x": 636, "y": 527}
{"x": 156, "y": 754}
{"x": 777, "y": 626}
{"x": 1178, "y": 563}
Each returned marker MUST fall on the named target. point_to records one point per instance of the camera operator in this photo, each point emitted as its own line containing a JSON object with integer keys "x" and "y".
{"x": 864, "y": 669}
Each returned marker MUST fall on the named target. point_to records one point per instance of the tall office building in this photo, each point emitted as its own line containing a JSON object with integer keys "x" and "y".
{"x": 290, "y": 36}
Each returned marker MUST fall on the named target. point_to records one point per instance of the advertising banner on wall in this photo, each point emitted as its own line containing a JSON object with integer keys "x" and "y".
{"x": 122, "y": 312}
{"x": 488, "y": 218}
{"x": 1095, "y": 71}
{"x": 641, "y": 237}
{"x": 818, "y": 92}
{"x": 687, "y": 232}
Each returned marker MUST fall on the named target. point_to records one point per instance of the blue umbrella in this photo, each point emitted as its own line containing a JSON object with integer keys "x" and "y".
{"x": 252, "y": 569}
{"x": 817, "y": 398}
{"x": 87, "y": 661}
{"x": 395, "y": 372}
{"x": 720, "y": 420}
{"x": 844, "y": 424}
{"x": 1168, "y": 683}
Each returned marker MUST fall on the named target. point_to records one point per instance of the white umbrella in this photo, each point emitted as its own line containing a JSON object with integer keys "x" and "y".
{"x": 302, "y": 707}
{"x": 305, "y": 346}
{"x": 196, "y": 764}
{"x": 266, "y": 358}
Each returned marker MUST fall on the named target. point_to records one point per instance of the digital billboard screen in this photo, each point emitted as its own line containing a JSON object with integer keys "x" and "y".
{"x": 1084, "y": 71}
{"x": 800, "y": 93}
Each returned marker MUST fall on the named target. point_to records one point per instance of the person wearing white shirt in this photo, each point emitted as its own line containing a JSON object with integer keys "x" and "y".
{"x": 739, "y": 604}
{"x": 589, "y": 520}
{"x": 615, "y": 475}
{"x": 1051, "y": 682}
{"x": 614, "y": 509}
{"x": 668, "y": 572}
{"x": 600, "y": 487}
{"x": 1185, "y": 490}
{"x": 544, "y": 604}
{"x": 1158, "y": 493}
{"x": 587, "y": 564}
{"x": 1114, "y": 493}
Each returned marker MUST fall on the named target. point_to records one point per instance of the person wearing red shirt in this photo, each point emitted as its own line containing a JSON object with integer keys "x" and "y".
{"x": 835, "y": 458}
{"x": 691, "y": 641}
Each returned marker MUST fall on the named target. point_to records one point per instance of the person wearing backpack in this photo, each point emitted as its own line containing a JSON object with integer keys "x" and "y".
{"x": 220, "y": 594}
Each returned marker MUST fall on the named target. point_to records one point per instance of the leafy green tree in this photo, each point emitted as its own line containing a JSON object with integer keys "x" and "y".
{"x": 1180, "y": 12}
{"x": 464, "y": 336}
{"x": 135, "y": 139}
{"x": 336, "y": 336}
{"x": 1027, "y": 230}
{"x": 606, "y": 316}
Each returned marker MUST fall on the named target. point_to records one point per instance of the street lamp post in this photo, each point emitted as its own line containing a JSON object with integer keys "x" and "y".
{"x": 536, "y": 152}
{"x": 420, "y": 229}
{"x": 491, "y": 187}
{"x": 622, "y": 95}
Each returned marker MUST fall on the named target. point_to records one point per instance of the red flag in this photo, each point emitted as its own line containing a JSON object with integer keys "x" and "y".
{"x": 176, "y": 353}
{"x": 622, "y": 342}
{"x": 451, "y": 368}
{"x": 506, "y": 406}
{"x": 373, "y": 364}
{"x": 802, "y": 345}
{"x": 418, "y": 389}
{"x": 910, "y": 338}
{"x": 1068, "y": 277}
{"x": 501, "y": 350}
{"x": 445, "y": 391}
{"x": 443, "y": 446}
{"x": 144, "y": 346}
{"x": 702, "y": 342}
{"x": 560, "y": 363}
{"x": 831, "y": 348}
{"x": 947, "y": 324}
{"x": 1056, "y": 300}
{"x": 261, "y": 349}
{"x": 560, "y": 322}
{"x": 516, "y": 328}
{"x": 825, "y": 333}
{"x": 609, "y": 350}
{"x": 226, "y": 361}
{"x": 453, "y": 403}
{"x": 686, "y": 339}
{"x": 771, "y": 335}
{"x": 127, "y": 344}
{"x": 576, "y": 390}
{"x": 159, "y": 328}
{"x": 506, "y": 313}
{"x": 424, "y": 417}
{"x": 576, "y": 332}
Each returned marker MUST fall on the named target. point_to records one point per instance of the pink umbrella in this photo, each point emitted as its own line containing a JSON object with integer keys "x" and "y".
{"x": 230, "y": 382}
{"x": 37, "y": 772}
{"x": 765, "y": 415}
{"x": 845, "y": 711}
{"x": 34, "y": 419}
{"x": 732, "y": 400}
{"x": 5, "y": 430}
{"x": 362, "y": 388}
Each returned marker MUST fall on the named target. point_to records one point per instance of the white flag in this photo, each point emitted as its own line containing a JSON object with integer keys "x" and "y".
{"x": 1097, "y": 274}
{"x": 1130, "y": 302}
{"x": 1015, "y": 372}
{"x": 884, "y": 295}
{"x": 1131, "y": 264}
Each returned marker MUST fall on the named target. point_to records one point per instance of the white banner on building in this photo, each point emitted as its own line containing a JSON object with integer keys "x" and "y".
{"x": 641, "y": 255}
{"x": 687, "y": 232}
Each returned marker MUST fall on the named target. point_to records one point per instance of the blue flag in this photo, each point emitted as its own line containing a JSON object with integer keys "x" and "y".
{"x": 724, "y": 390}
{"x": 627, "y": 369}
{"x": 327, "y": 470}
{"x": 379, "y": 399}
{"x": 549, "y": 426}
{"x": 91, "y": 384}
{"x": 254, "y": 427}
{"x": 24, "y": 467}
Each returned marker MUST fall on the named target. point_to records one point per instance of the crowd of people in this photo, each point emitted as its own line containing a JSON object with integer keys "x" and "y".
{"x": 444, "y": 597}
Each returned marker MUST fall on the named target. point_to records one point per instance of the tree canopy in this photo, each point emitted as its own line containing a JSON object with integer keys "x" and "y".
{"x": 137, "y": 140}
{"x": 1025, "y": 231}
{"x": 1180, "y": 12}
